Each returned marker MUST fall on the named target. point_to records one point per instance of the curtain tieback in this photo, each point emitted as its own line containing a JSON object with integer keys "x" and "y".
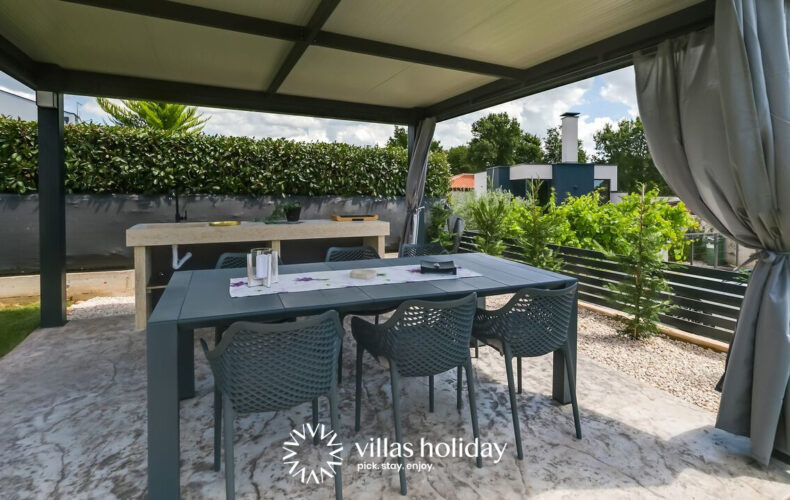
{"x": 769, "y": 255}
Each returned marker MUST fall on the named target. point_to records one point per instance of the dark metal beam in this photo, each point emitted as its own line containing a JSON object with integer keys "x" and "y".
{"x": 201, "y": 16}
{"x": 51, "y": 209}
{"x": 408, "y": 54}
{"x": 319, "y": 17}
{"x": 601, "y": 57}
{"x": 50, "y": 77}
{"x": 16, "y": 63}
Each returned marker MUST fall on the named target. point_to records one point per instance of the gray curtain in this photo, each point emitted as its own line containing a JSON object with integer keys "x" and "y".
{"x": 418, "y": 168}
{"x": 716, "y": 110}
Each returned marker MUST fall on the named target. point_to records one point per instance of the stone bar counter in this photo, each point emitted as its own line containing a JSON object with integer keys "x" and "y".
{"x": 146, "y": 237}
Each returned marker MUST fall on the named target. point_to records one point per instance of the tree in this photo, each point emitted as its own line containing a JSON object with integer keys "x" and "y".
{"x": 458, "y": 159}
{"x": 400, "y": 139}
{"x": 497, "y": 140}
{"x": 538, "y": 228}
{"x": 156, "y": 115}
{"x": 642, "y": 265}
{"x": 626, "y": 147}
{"x": 552, "y": 147}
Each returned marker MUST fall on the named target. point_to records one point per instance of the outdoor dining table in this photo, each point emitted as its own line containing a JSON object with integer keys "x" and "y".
{"x": 199, "y": 299}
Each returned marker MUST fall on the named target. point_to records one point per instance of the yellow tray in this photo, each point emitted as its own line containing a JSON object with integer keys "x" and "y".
{"x": 354, "y": 218}
{"x": 218, "y": 223}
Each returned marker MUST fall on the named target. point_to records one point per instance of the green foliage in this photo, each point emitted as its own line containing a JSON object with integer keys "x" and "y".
{"x": 538, "y": 228}
{"x": 642, "y": 265}
{"x": 593, "y": 225}
{"x": 458, "y": 158}
{"x": 489, "y": 215}
{"x": 626, "y": 147}
{"x": 552, "y": 147}
{"x": 436, "y": 231}
{"x": 400, "y": 139}
{"x": 497, "y": 140}
{"x": 155, "y": 115}
{"x": 102, "y": 159}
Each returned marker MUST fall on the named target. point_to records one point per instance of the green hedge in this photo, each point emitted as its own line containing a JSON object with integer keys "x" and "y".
{"x": 103, "y": 159}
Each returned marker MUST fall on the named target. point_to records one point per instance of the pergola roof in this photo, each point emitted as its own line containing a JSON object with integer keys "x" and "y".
{"x": 372, "y": 60}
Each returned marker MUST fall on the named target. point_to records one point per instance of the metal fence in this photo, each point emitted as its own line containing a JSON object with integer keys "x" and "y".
{"x": 704, "y": 301}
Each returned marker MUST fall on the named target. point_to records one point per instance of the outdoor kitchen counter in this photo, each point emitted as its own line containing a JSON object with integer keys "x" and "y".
{"x": 144, "y": 236}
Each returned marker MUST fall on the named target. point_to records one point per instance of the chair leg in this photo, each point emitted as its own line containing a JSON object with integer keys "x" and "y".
{"x": 217, "y": 427}
{"x": 335, "y": 427}
{"x": 518, "y": 373}
{"x": 396, "y": 416}
{"x": 230, "y": 487}
{"x": 513, "y": 408}
{"x": 340, "y": 363}
{"x": 572, "y": 385}
{"x": 217, "y": 336}
{"x": 459, "y": 403}
{"x": 430, "y": 393}
{"x": 477, "y": 348}
{"x": 358, "y": 394}
{"x": 470, "y": 384}
{"x": 317, "y": 437}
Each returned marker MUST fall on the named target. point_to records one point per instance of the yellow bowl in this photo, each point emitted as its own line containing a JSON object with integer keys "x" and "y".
{"x": 224, "y": 223}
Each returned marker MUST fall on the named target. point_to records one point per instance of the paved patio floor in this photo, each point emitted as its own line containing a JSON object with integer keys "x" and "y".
{"x": 73, "y": 418}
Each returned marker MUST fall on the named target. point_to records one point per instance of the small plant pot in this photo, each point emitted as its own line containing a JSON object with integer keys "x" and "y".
{"x": 292, "y": 213}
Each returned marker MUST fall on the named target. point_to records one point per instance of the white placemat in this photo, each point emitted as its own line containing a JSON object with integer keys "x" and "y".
{"x": 326, "y": 280}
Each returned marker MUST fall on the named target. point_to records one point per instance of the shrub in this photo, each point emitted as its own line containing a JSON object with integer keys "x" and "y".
{"x": 538, "y": 228}
{"x": 642, "y": 264}
{"x": 111, "y": 159}
{"x": 489, "y": 214}
{"x": 437, "y": 231}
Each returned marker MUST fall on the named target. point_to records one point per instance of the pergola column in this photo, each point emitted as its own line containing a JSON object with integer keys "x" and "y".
{"x": 51, "y": 208}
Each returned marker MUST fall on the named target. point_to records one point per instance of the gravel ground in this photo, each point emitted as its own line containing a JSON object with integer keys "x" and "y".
{"x": 685, "y": 370}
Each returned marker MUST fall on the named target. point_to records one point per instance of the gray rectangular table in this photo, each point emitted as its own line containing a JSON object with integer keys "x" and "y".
{"x": 198, "y": 299}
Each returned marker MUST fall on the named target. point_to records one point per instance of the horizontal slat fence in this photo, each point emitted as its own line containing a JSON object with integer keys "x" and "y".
{"x": 704, "y": 301}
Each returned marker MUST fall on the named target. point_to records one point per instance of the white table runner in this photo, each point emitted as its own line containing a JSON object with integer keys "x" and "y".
{"x": 326, "y": 280}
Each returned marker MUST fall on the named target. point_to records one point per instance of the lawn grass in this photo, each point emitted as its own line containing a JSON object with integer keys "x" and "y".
{"x": 16, "y": 322}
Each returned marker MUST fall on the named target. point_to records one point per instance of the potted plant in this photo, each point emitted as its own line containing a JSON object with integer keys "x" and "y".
{"x": 292, "y": 210}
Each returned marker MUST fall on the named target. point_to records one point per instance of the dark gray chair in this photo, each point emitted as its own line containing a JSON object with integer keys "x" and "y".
{"x": 338, "y": 254}
{"x": 533, "y": 323}
{"x": 234, "y": 260}
{"x": 456, "y": 225}
{"x": 421, "y": 339}
{"x": 262, "y": 367}
{"x": 421, "y": 249}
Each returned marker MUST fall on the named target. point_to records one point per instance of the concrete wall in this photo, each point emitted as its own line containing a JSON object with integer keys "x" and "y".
{"x": 96, "y": 224}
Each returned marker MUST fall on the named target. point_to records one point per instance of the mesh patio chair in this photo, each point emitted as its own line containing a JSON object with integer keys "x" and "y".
{"x": 234, "y": 260}
{"x": 338, "y": 254}
{"x": 421, "y": 339}
{"x": 533, "y": 323}
{"x": 419, "y": 250}
{"x": 262, "y": 367}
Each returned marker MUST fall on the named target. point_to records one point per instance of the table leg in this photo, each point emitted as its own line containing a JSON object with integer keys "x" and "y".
{"x": 186, "y": 364}
{"x": 142, "y": 274}
{"x": 376, "y": 242}
{"x": 560, "y": 388}
{"x": 163, "y": 416}
{"x": 275, "y": 245}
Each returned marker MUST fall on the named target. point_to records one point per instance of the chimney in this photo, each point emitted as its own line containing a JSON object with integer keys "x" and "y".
{"x": 570, "y": 137}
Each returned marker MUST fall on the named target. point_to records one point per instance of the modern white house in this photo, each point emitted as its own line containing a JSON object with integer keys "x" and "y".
{"x": 567, "y": 177}
{"x": 24, "y": 108}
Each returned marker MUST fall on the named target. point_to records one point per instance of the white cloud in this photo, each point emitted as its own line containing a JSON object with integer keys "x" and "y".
{"x": 619, "y": 87}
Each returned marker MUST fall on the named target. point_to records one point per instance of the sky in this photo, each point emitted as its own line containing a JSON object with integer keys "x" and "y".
{"x": 603, "y": 99}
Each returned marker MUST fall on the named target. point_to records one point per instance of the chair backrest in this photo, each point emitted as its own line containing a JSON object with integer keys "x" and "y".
{"x": 419, "y": 250}
{"x": 535, "y": 321}
{"x": 234, "y": 260}
{"x": 458, "y": 228}
{"x": 337, "y": 254}
{"x": 427, "y": 338}
{"x": 268, "y": 367}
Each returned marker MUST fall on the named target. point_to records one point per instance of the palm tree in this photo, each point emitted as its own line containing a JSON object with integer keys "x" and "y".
{"x": 156, "y": 115}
